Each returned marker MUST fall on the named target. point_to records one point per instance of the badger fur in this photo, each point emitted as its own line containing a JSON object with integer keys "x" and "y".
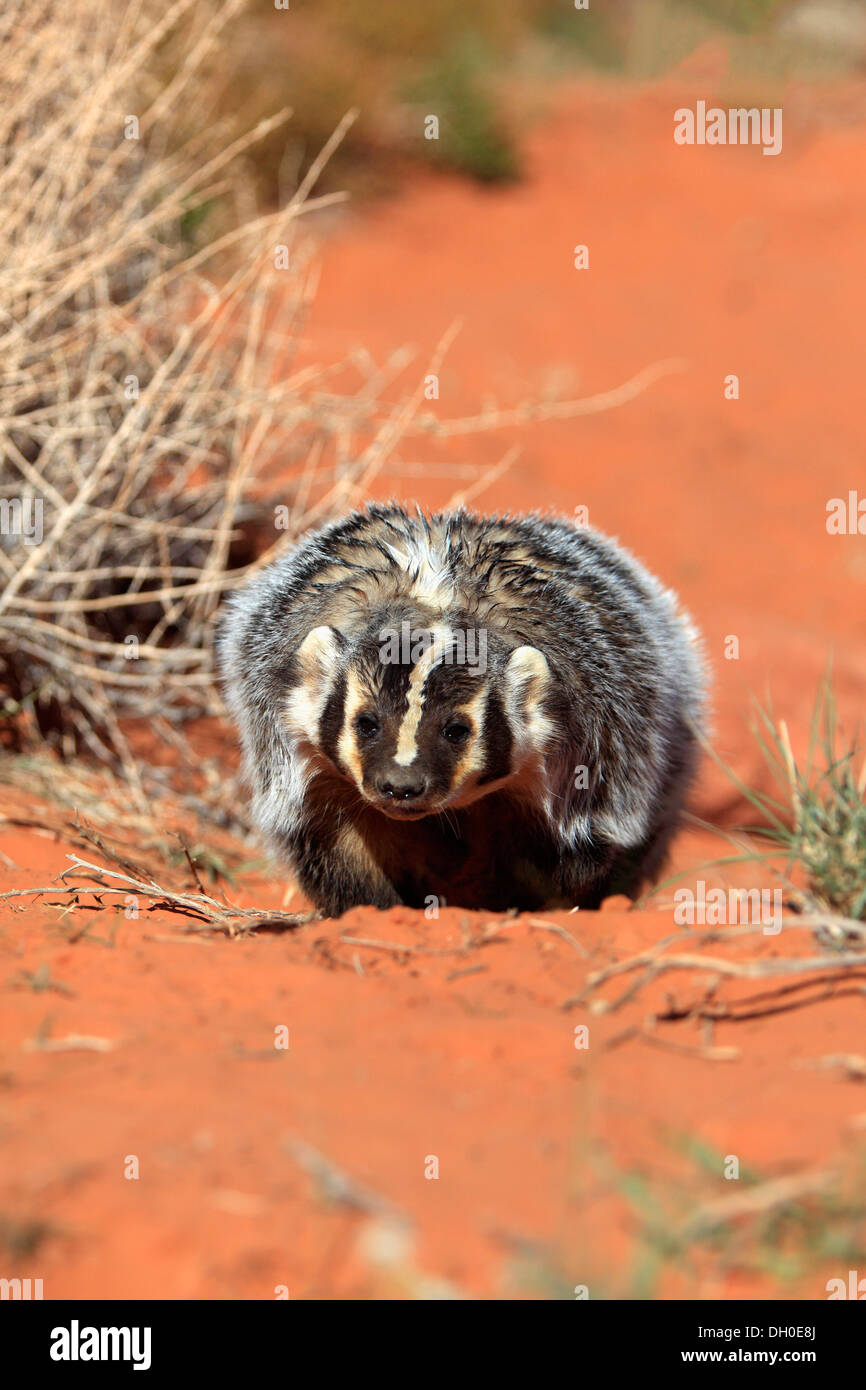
{"x": 496, "y": 712}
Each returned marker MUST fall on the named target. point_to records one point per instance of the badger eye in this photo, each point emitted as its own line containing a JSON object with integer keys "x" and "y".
{"x": 456, "y": 732}
{"x": 367, "y": 725}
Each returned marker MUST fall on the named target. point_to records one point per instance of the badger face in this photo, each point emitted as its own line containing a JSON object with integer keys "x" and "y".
{"x": 421, "y": 719}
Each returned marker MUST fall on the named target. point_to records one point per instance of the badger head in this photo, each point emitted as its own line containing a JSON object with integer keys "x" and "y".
{"x": 421, "y": 715}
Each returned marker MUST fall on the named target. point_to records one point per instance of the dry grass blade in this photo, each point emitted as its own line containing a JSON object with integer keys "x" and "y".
{"x": 136, "y": 396}
{"x": 764, "y": 1197}
{"x": 150, "y": 385}
{"x": 649, "y": 965}
{"x": 208, "y": 912}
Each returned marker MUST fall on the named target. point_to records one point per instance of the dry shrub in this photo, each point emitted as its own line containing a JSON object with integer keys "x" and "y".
{"x": 146, "y": 384}
{"x": 138, "y": 398}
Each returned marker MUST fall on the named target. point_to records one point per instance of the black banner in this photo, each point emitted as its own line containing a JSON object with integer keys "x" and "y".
{"x": 66, "y": 1339}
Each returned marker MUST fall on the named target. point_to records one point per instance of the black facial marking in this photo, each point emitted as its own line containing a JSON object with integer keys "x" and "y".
{"x": 332, "y": 721}
{"x": 497, "y": 741}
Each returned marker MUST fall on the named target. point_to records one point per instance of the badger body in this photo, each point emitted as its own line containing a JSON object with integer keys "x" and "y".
{"x": 493, "y": 712}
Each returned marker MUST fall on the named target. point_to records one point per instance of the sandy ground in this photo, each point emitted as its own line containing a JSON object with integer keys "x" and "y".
{"x": 432, "y": 1127}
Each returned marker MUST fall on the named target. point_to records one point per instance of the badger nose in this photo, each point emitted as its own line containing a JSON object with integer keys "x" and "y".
{"x": 401, "y": 786}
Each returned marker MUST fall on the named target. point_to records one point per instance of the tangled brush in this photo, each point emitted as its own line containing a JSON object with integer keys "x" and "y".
{"x": 140, "y": 401}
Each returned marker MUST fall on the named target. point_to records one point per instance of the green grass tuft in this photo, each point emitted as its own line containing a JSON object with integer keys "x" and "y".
{"x": 473, "y": 137}
{"x": 819, "y": 823}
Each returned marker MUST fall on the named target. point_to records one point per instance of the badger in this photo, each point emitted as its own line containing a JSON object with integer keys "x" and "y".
{"x": 495, "y": 712}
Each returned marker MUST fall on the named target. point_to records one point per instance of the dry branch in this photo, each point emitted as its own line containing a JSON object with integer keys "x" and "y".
{"x": 828, "y": 969}
{"x": 206, "y": 911}
{"x": 150, "y": 385}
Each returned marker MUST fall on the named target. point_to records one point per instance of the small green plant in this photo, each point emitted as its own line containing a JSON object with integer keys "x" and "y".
{"x": 473, "y": 136}
{"x": 778, "y": 1227}
{"x": 820, "y": 822}
{"x": 690, "y": 1222}
{"x": 597, "y": 36}
{"x": 745, "y": 16}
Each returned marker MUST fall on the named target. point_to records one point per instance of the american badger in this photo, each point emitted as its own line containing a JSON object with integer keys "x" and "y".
{"x": 495, "y": 712}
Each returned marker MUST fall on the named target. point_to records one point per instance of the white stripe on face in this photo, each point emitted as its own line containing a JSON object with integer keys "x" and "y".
{"x": 347, "y": 746}
{"x": 407, "y": 747}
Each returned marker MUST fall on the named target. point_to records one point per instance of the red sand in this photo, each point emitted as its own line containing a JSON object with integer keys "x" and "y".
{"x": 460, "y": 1048}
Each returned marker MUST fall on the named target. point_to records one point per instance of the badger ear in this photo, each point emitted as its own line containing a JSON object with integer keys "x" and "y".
{"x": 527, "y": 677}
{"x": 318, "y": 656}
{"x": 317, "y": 663}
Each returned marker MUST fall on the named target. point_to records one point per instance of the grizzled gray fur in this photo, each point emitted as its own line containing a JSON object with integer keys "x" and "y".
{"x": 492, "y": 712}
